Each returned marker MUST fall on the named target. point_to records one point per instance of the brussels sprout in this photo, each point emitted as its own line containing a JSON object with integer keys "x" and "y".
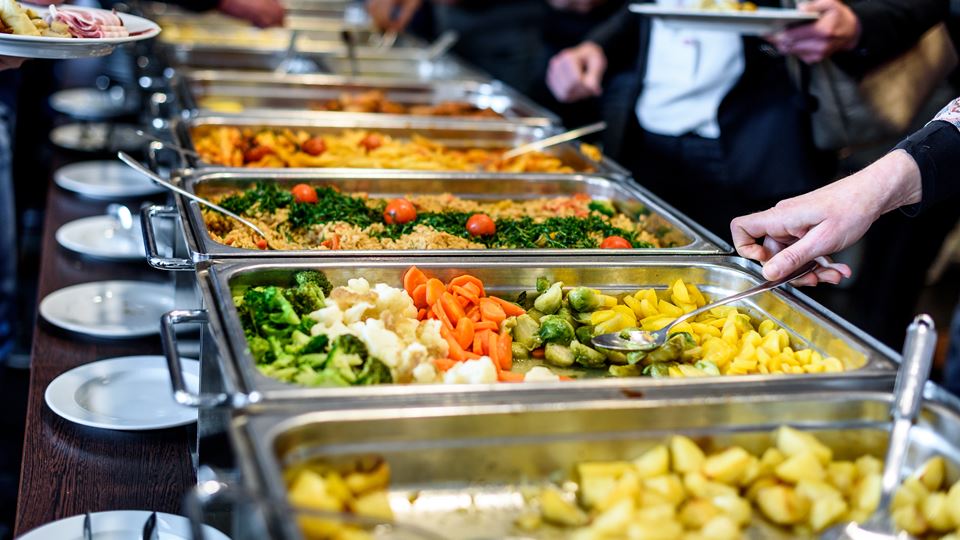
{"x": 542, "y": 284}
{"x": 708, "y": 367}
{"x": 556, "y": 329}
{"x": 626, "y": 371}
{"x": 526, "y": 333}
{"x": 587, "y": 357}
{"x": 584, "y": 299}
{"x": 519, "y": 351}
{"x": 614, "y": 357}
{"x": 508, "y": 324}
{"x": 549, "y": 302}
{"x": 636, "y": 357}
{"x": 558, "y": 355}
{"x": 583, "y": 318}
{"x": 672, "y": 349}
{"x": 658, "y": 371}
{"x": 584, "y": 334}
{"x": 567, "y": 315}
{"x": 535, "y": 314}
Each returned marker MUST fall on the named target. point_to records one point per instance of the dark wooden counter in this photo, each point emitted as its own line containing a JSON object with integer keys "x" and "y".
{"x": 70, "y": 469}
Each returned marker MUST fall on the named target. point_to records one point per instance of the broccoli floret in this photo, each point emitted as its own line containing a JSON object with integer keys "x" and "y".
{"x": 602, "y": 207}
{"x": 374, "y": 372}
{"x": 313, "y": 277}
{"x": 261, "y": 350}
{"x": 271, "y": 313}
{"x": 347, "y": 355}
{"x": 316, "y": 345}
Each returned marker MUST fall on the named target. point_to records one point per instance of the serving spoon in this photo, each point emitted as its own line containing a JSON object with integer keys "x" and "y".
{"x": 641, "y": 340}
{"x": 907, "y": 398}
{"x": 142, "y": 169}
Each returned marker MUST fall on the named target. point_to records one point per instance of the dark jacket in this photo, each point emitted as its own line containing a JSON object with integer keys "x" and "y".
{"x": 936, "y": 149}
{"x": 765, "y": 119}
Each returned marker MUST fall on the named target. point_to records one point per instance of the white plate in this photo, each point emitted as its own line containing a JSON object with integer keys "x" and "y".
{"x": 763, "y": 21}
{"x": 102, "y": 237}
{"x": 97, "y": 137}
{"x": 105, "y": 180}
{"x": 130, "y": 393}
{"x": 54, "y": 47}
{"x": 93, "y": 103}
{"x": 109, "y": 309}
{"x": 120, "y": 525}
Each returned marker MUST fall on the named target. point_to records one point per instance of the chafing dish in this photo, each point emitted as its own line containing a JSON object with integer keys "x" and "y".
{"x": 462, "y": 471}
{"x": 450, "y": 133}
{"x": 214, "y": 91}
{"x": 685, "y": 236}
{"x": 810, "y": 325}
{"x": 403, "y": 64}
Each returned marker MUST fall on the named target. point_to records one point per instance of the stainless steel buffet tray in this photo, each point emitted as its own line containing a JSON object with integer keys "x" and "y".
{"x": 809, "y": 324}
{"x": 204, "y": 90}
{"x": 462, "y": 471}
{"x": 686, "y": 237}
{"x": 452, "y": 134}
{"x": 401, "y": 64}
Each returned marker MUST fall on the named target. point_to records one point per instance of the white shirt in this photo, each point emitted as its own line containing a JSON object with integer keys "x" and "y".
{"x": 689, "y": 72}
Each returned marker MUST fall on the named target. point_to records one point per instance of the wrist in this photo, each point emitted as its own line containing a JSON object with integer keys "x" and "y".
{"x": 896, "y": 182}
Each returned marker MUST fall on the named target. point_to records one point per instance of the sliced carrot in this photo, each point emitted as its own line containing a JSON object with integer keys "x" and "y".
{"x": 455, "y": 352}
{"x": 504, "y": 352}
{"x": 412, "y": 278}
{"x": 419, "y": 295}
{"x": 471, "y": 356}
{"x": 565, "y": 378}
{"x": 434, "y": 289}
{"x": 509, "y": 376}
{"x": 441, "y": 316}
{"x": 511, "y": 309}
{"x": 443, "y": 364}
{"x": 478, "y": 343}
{"x": 421, "y": 314}
{"x": 466, "y": 294}
{"x": 465, "y": 279}
{"x": 451, "y": 307}
{"x": 538, "y": 353}
{"x": 491, "y": 311}
{"x": 465, "y": 332}
{"x": 477, "y": 290}
{"x": 474, "y": 313}
{"x": 486, "y": 325}
{"x": 462, "y": 301}
{"x": 491, "y": 348}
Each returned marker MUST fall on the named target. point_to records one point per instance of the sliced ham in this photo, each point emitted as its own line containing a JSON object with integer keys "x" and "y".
{"x": 89, "y": 24}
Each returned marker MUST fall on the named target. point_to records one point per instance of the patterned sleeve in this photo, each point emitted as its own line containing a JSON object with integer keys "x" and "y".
{"x": 936, "y": 149}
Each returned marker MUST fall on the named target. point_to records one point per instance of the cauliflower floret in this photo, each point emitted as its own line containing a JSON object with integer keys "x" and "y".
{"x": 425, "y": 373}
{"x": 540, "y": 374}
{"x": 356, "y": 312}
{"x": 394, "y": 300}
{"x": 479, "y": 371}
{"x": 381, "y": 343}
{"x": 359, "y": 285}
{"x": 428, "y": 333}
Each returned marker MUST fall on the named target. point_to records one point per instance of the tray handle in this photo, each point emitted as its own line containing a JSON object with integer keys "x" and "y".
{"x": 154, "y": 258}
{"x": 181, "y": 394}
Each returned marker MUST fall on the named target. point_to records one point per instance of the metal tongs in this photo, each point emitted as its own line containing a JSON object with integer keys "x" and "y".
{"x": 561, "y": 138}
{"x": 907, "y": 398}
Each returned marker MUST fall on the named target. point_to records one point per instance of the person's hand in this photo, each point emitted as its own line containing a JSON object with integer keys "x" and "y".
{"x": 577, "y": 73}
{"x": 382, "y": 13}
{"x": 827, "y": 220}
{"x": 577, "y": 6}
{"x": 263, "y": 13}
{"x": 837, "y": 29}
{"x": 10, "y": 62}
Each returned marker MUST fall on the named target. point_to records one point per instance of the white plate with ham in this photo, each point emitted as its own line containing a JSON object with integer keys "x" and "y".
{"x": 60, "y": 32}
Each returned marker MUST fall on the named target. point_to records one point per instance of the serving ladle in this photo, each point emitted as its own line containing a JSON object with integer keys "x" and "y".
{"x": 142, "y": 169}
{"x": 907, "y": 398}
{"x": 641, "y": 340}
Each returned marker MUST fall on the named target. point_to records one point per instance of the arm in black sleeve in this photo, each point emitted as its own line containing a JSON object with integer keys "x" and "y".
{"x": 936, "y": 149}
{"x": 888, "y": 29}
{"x": 619, "y": 37}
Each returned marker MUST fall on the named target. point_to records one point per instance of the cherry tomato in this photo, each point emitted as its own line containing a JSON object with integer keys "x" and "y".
{"x": 314, "y": 146}
{"x": 304, "y": 193}
{"x": 616, "y": 242}
{"x": 256, "y": 154}
{"x": 262, "y": 243}
{"x": 481, "y": 225}
{"x": 371, "y": 142}
{"x": 399, "y": 211}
